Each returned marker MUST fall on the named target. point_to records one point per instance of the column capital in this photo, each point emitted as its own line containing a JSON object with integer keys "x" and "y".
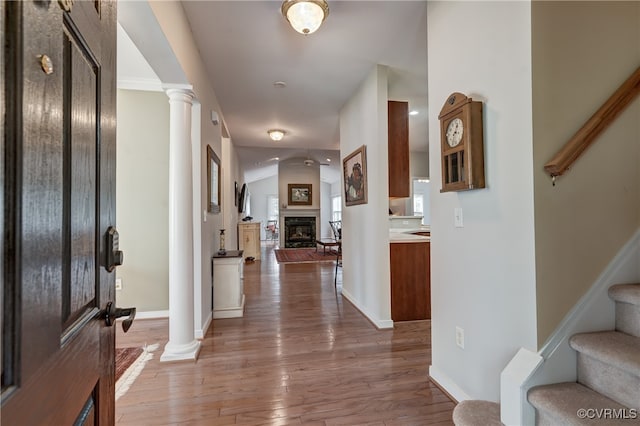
{"x": 182, "y": 93}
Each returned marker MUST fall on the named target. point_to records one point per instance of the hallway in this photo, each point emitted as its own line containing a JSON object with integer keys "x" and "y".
{"x": 300, "y": 355}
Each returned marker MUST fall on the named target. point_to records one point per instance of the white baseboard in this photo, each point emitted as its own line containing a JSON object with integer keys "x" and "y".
{"x": 200, "y": 333}
{"x": 152, "y": 314}
{"x": 378, "y": 323}
{"x": 448, "y": 384}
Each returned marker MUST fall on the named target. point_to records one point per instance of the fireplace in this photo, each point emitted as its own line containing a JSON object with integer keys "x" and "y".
{"x": 299, "y": 231}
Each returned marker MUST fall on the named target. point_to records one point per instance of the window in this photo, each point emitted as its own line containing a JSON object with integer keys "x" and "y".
{"x": 336, "y": 208}
{"x": 418, "y": 204}
{"x": 421, "y": 199}
{"x": 272, "y": 207}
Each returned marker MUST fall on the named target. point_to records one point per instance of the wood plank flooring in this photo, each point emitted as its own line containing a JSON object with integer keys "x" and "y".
{"x": 300, "y": 355}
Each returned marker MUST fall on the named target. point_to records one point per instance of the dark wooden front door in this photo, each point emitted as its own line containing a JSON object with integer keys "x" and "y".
{"x": 58, "y": 180}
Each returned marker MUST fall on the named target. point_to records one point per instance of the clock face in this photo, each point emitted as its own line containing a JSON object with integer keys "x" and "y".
{"x": 454, "y": 132}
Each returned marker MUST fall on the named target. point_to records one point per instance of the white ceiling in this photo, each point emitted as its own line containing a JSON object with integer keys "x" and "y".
{"x": 246, "y": 46}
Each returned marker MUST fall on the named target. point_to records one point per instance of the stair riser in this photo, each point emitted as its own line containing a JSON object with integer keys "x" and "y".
{"x": 628, "y": 318}
{"x": 609, "y": 380}
{"x": 546, "y": 419}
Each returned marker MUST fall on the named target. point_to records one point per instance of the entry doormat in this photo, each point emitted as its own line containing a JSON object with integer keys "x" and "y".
{"x": 124, "y": 358}
{"x": 304, "y": 255}
{"x": 129, "y": 365}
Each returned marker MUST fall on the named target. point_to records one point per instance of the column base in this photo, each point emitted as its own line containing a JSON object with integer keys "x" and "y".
{"x": 188, "y": 352}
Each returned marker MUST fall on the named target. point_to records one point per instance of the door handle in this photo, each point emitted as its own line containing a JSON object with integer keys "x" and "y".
{"x": 111, "y": 313}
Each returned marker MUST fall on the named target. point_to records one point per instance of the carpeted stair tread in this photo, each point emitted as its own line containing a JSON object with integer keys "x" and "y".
{"x": 625, "y": 293}
{"x": 561, "y": 401}
{"x": 611, "y": 347}
{"x": 476, "y": 412}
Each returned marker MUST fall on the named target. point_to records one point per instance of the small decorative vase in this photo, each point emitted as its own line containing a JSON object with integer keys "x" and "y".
{"x": 222, "y": 249}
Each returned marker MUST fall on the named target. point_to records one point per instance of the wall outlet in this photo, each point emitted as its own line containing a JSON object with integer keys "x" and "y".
{"x": 118, "y": 283}
{"x": 460, "y": 337}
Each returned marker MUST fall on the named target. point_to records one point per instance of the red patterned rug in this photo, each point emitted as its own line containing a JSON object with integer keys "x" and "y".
{"x": 124, "y": 358}
{"x": 304, "y": 255}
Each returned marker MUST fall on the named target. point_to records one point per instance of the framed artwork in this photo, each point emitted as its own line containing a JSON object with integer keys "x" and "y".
{"x": 213, "y": 181}
{"x": 300, "y": 194}
{"x": 354, "y": 169}
{"x": 235, "y": 193}
{"x": 242, "y": 198}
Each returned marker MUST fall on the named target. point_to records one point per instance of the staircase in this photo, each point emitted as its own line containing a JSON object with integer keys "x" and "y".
{"x": 608, "y": 388}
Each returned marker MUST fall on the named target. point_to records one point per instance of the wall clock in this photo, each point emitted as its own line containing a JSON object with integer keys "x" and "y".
{"x": 461, "y": 140}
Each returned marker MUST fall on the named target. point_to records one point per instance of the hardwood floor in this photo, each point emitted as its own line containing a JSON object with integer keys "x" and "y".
{"x": 300, "y": 355}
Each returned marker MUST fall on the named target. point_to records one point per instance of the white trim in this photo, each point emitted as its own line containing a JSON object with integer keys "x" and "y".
{"x": 513, "y": 407}
{"x": 594, "y": 311}
{"x": 448, "y": 384}
{"x": 604, "y": 281}
{"x": 188, "y": 88}
{"x": 148, "y": 85}
{"x": 200, "y": 333}
{"x": 152, "y": 314}
{"x": 187, "y": 352}
{"x": 380, "y": 324}
{"x": 233, "y": 312}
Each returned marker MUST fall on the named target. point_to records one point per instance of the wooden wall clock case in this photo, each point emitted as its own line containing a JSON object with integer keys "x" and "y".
{"x": 461, "y": 138}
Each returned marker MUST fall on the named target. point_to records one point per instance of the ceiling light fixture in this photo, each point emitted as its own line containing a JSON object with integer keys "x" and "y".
{"x": 276, "y": 134}
{"x": 305, "y": 16}
{"x": 414, "y": 112}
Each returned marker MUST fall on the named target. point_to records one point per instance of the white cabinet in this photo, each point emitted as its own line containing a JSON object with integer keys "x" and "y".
{"x": 228, "y": 289}
{"x": 249, "y": 239}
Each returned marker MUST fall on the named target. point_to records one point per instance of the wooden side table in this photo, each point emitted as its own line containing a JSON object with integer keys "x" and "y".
{"x": 326, "y": 242}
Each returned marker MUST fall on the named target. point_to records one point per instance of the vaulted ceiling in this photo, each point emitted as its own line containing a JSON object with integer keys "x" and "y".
{"x": 247, "y": 46}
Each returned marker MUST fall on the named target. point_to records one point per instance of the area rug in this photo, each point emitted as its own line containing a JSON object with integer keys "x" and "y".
{"x": 304, "y": 255}
{"x": 129, "y": 365}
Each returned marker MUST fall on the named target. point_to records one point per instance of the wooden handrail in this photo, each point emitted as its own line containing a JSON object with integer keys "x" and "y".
{"x": 583, "y": 138}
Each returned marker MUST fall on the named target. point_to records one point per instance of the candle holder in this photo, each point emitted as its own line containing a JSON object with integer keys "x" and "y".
{"x": 222, "y": 250}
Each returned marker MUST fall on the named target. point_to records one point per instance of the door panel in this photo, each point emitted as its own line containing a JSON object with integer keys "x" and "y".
{"x": 80, "y": 81}
{"x": 59, "y": 195}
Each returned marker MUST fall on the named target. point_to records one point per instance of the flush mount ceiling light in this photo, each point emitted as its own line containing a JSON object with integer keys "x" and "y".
{"x": 305, "y": 16}
{"x": 276, "y": 134}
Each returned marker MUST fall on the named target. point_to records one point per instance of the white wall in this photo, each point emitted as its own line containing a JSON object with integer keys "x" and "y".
{"x": 325, "y": 210}
{"x": 168, "y": 45}
{"x": 576, "y": 70}
{"x": 231, "y": 174}
{"x": 142, "y": 179}
{"x": 483, "y": 275}
{"x": 365, "y": 227}
{"x": 260, "y": 190}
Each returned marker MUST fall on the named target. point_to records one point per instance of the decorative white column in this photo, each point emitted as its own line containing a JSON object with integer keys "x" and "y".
{"x": 182, "y": 344}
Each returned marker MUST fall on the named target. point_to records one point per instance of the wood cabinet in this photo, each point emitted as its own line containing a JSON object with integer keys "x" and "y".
{"x": 249, "y": 239}
{"x": 228, "y": 288}
{"x": 398, "y": 128}
{"x": 410, "y": 281}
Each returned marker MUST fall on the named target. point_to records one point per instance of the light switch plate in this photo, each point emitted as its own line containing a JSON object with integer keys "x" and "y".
{"x": 457, "y": 217}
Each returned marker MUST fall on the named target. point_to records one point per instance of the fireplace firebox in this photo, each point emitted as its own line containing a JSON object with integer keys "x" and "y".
{"x": 299, "y": 232}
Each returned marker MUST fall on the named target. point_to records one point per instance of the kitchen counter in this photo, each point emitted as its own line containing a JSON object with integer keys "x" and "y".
{"x": 403, "y": 237}
{"x": 408, "y": 235}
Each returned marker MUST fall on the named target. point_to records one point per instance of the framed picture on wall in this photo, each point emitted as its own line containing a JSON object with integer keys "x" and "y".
{"x": 213, "y": 181}
{"x": 354, "y": 168}
{"x": 300, "y": 194}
